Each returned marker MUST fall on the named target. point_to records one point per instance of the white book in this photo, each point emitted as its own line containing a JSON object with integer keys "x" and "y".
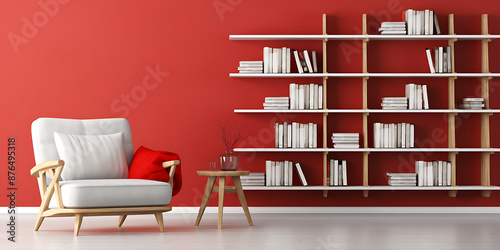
{"x": 340, "y": 174}
{"x": 386, "y": 135}
{"x": 294, "y": 135}
{"x": 440, "y": 173}
{"x": 276, "y": 60}
{"x": 407, "y": 136}
{"x": 320, "y": 97}
{"x": 436, "y": 25}
{"x": 266, "y": 59}
{"x": 430, "y": 174}
{"x": 314, "y": 61}
{"x": 280, "y": 58}
{"x": 426, "y": 21}
{"x": 279, "y": 167}
{"x": 290, "y": 173}
{"x": 391, "y": 132}
{"x": 429, "y": 60}
{"x": 419, "y": 172}
{"x": 330, "y": 176}
{"x": 399, "y": 136}
{"x": 306, "y": 96}
{"x": 296, "y": 92}
{"x": 381, "y": 132}
{"x": 280, "y": 136}
{"x": 412, "y": 135}
{"x": 344, "y": 173}
{"x": 409, "y": 21}
{"x": 409, "y": 95}
{"x": 301, "y": 96}
{"x": 273, "y": 173}
{"x": 315, "y": 135}
{"x": 301, "y": 174}
{"x": 288, "y": 60}
{"x": 435, "y": 165}
{"x": 431, "y": 22}
{"x": 448, "y": 173}
{"x": 268, "y": 173}
{"x": 335, "y": 172}
{"x": 276, "y": 135}
{"x": 306, "y": 133}
{"x": 308, "y": 61}
{"x": 302, "y": 136}
{"x": 376, "y": 135}
{"x": 292, "y": 96}
{"x": 441, "y": 55}
{"x": 283, "y": 60}
{"x": 285, "y": 174}
{"x": 445, "y": 174}
{"x": 445, "y": 60}
{"x": 297, "y": 136}
{"x": 422, "y": 22}
{"x": 316, "y": 96}
{"x": 297, "y": 61}
{"x": 419, "y": 23}
{"x": 311, "y": 96}
{"x": 426, "y": 98}
{"x": 285, "y": 135}
{"x": 289, "y": 136}
{"x": 419, "y": 96}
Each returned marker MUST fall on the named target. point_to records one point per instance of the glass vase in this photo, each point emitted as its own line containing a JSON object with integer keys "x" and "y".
{"x": 229, "y": 161}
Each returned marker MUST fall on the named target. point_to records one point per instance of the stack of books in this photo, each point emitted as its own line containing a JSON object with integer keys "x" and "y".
{"x": 250, "y": 67}
{"x": 253, "y": 179}
{"x": 400, "y": 135}
{"x": 417, "y": 96}
{"x": 394, "y": 103}
{"x": 402, "y": 179}
{"x": 296, "y": 135}
{"x": 276, "y": 103}
{"x": 345, "y": 140}
{"x": 279, "y": 173}
{"x": 338, "y": 173}
{"x": 393, "y": 28}
{"x": 421, "y": 22}
{"x": 306, "y": 96}
{"x": 442, "y": 60}
{"x": 472, "y": 103}
{"x": 433, "y": 173}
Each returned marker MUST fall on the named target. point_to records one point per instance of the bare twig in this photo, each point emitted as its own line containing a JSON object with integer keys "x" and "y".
{"x": 232, "y": 134}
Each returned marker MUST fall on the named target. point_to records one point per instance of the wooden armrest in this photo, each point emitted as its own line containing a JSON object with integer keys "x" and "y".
{"x": 168, "y": 164}
{"x": 35, "y": 171}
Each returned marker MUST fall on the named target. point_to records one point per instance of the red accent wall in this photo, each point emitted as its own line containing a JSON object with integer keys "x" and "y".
{"x": 89, "y": 59}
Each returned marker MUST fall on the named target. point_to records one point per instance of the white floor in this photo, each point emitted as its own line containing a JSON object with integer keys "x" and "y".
{"x": 271, "y": 231}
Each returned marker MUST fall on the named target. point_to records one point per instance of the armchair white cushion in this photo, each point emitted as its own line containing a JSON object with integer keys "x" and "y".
{"x": 92, "y": 157}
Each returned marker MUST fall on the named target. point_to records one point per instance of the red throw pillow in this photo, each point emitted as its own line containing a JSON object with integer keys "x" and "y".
{"x": 147, "y": 164}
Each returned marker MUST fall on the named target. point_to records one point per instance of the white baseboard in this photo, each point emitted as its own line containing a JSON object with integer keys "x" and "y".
{"x": 320, "y": 210}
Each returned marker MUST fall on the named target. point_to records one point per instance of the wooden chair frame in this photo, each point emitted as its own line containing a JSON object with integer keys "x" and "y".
{"x": 53, "y": 170}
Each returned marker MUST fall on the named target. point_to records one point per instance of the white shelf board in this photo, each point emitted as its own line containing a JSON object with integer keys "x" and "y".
{"x": 372, "y": 150}
{"x": 361, "y": 37}
{"x": 320, "y": 111}
{"x": 348, "y": 75}
{"x": 374, "y": 188}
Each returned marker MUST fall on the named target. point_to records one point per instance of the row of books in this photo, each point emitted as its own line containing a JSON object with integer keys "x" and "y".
{"x": 442, "y": 60}
{"x": 402, "y": 179}
{"x": 306, "y": 96}
{"x": 417, "y": 96}
{"x": 433, "y": 173}
{"x": 345, "y": 140}
{"x": 253, "y": 179}
{"x": 250, "y": 67}
{"x": 278, "y": 60}
{"x": 338, "y": 173}
{"x": 400, "y": 135}
{"x": 392, "y": 28}
{"x": 421, "y": 22}
{"x": 296, "y": 135}
{"x": 472, "y": 103}
{"x": 276, "y": 103}
{"x": 280, "y": 173}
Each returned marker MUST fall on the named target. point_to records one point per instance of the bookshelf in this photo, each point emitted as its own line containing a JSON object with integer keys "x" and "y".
{"x": 485, "y": 76}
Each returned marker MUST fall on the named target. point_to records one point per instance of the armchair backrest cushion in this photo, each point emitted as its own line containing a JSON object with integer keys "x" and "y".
{"x": 42, "y": 132}
{"x": 92, "y": 156}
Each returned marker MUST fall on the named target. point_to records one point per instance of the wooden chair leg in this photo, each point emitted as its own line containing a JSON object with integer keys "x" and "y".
{"x": 78, "y": 223}
{"x": 39, "y": 222}
{"x": 121, "y": 220}
{"x": 159, "y": 219}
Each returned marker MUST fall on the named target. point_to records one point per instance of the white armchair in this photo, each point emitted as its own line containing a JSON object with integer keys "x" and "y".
{"x": 82, "y": 170}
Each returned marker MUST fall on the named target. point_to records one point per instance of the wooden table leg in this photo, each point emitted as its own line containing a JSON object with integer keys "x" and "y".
{"x": 222, "y": 186}
{"x": 241, "y": 197}
{"x": 206, "y": 197}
